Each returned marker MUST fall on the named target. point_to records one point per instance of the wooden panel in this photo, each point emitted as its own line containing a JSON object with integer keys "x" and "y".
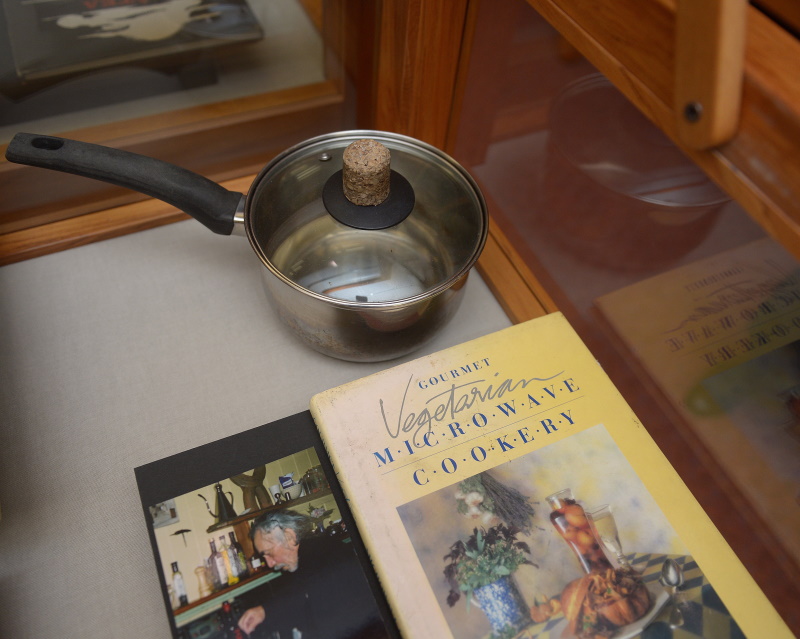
{"x": 785, "y": 12}
{"x": 94, "y": 227}
{"x": 352, "y": 34}
{"x": 420, "y": 44}
{"x": 481, "y": 49}
{"x": 709, "y": 60}
{"x": 632, "y": 43}
{"x": 519, "y": 293}
{"x": 85, "y": 229}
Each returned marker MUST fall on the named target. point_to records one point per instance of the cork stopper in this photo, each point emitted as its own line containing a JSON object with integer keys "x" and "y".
{"x": 365, "y": 172}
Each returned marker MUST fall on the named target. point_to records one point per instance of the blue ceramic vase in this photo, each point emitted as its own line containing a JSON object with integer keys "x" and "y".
{"x": 503, "y": 605}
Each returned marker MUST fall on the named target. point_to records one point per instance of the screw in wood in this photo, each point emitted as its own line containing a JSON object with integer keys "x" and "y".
{"x": 693, "y": 111}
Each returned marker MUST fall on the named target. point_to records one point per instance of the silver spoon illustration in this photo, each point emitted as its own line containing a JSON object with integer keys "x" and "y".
{"x": 672, "y": 579}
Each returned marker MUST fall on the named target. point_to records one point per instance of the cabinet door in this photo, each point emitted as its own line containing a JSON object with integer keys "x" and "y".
{"x": 633, "y": 44}
{"x": 675, "y": 285}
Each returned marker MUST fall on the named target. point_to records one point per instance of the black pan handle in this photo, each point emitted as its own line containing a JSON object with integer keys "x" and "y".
{"x": 206, "y": 201}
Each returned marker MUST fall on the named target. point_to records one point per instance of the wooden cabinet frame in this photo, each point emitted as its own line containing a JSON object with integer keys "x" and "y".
{"x": 633, "y": 44}
{"x": 408, "y": 60}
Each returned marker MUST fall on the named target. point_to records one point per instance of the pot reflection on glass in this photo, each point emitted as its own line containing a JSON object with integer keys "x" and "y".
{"x": 617, "y": 192}
{"x": 366, "y": 288}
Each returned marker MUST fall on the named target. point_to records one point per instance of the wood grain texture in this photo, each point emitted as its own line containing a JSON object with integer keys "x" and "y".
{"x": 709, "y": 62}
{"x": 632, "y": 43}
{"x": 95, "y": 227}
{"x": 517, "y": 290}
{"x": 786, "y": 12}
{"x": 77, "y": 231}
{"x": 420, "y": 44}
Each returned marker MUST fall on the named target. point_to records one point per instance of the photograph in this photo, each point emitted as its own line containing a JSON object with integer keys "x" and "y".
{"x": 562, "y": 542}
{"x": 268, "y": 551}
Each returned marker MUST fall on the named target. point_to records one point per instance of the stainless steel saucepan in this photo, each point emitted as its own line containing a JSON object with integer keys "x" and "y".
{"x": 361, "y": 283}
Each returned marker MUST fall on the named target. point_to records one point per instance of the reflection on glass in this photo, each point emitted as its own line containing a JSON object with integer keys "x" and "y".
{"x": 225, "y": 51}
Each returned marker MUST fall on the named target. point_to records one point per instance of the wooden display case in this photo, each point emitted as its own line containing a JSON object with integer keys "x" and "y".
{"x": 473, "y": 77}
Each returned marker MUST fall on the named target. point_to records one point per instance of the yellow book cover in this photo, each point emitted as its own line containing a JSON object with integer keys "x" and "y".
{"x": 719, "y": 339}
{"x": 504, "y": 488}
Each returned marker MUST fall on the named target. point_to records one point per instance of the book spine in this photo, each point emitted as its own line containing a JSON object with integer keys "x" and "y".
{"x": 362, "y": 522}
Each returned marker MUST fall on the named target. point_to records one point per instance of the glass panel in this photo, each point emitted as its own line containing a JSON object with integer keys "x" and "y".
{"x": 71, "y": 68}
{"x": 222, "y": 109}
{"x": 689, "y": 307}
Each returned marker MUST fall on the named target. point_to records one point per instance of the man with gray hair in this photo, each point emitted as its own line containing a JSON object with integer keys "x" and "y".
{"x": 323, "y": 590}
{"x": 277, "y": 536}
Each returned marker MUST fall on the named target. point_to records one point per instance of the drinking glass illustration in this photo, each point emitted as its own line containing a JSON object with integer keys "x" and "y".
{"x": 605, "y": 531}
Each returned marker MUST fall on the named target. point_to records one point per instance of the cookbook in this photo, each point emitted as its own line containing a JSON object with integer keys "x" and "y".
{"x": 499, "y": 488}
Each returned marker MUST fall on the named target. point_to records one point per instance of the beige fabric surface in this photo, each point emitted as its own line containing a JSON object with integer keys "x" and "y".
{"x": 116, "y": 354}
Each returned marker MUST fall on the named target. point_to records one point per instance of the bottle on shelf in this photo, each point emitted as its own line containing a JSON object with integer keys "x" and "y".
{"x": 219, "y": 575}
{"x": 238, "y": 553}
{"x": 256, "y": 563}
{"x": 230, "y": 562}
{"x": 178, "y": 585}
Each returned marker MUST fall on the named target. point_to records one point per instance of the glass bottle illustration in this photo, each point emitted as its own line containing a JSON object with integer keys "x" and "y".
{"x": 569, "y": 519}
{"x": 178, "y": 585}
{"x": 230, "y": 562}
{"x": 219, "y": 575}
